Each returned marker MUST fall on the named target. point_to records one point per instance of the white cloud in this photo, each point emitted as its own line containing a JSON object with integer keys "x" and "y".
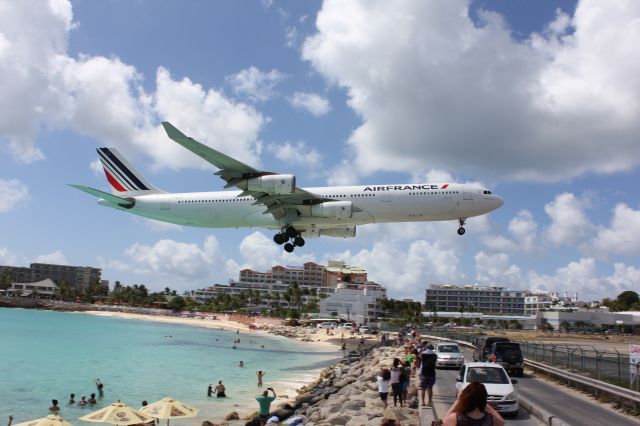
{"x": 582, "y": 277}
{"x": 436, "y": 90}
{"x": 494, "y": 269}
{"x": 13, "y": 193}
{"x": 40, "y": 85}
{"x": 183, "y": 262}
{"x": 55, "y": 258}
{"x": 342, "y": 174}
{"x": 260, "y": 253}
{"x": 6, "y": 257}
{"x": 296, "y": 152}
{"x": 256, "y": 85}
{"x": 569, "y": 225}
{"x": 623, "y": 235}
{"x": 522, "y": 228}
{"x": 291, "y": 35}
{"x": 413, "y": 268}
{"x": 310, "y": 102}
{"x": 32, "y": 35}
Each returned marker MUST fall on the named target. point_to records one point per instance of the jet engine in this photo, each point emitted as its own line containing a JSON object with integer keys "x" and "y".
{"x": 344, "y": 232}
{"x": 333, "y": 209}
{"x": 273, "y": 184}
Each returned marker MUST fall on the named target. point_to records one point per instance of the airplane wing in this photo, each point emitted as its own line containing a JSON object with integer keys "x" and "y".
{"x": 236, "y": 173}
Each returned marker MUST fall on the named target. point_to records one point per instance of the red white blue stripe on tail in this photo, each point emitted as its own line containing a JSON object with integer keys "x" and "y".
{"x": 121, "y": 175}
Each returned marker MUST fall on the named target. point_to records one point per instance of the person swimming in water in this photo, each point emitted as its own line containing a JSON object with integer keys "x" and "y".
{"x": 220, "y": 390}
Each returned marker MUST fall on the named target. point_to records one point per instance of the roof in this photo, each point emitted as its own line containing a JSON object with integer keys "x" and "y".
{"x": 484, "y": 364}
{"x": 44, "y": 283}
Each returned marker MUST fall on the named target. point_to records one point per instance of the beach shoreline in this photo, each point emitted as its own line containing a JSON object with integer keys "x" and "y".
{"x": 317, "y": 339}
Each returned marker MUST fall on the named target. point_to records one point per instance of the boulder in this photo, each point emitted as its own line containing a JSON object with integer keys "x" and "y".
{"x": 354, "y": 404}
{"x": 358, "y": 421}
{"x": 337, "y": 419}
{"x": 232, "y": 416}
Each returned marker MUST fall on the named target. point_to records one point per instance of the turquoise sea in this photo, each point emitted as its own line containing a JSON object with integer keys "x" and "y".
{"x": 45, "y": 355}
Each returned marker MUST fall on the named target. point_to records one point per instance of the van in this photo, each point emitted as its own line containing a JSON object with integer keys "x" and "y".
{"x": 483, "y": 346}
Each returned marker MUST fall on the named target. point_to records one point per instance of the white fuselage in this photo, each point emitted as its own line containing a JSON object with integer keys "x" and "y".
{"x": 372, "y": 204}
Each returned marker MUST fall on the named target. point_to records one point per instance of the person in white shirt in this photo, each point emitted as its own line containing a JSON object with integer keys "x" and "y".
{"x": 383, "y": 385}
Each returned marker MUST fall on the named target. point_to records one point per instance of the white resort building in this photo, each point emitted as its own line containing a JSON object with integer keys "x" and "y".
{"x": 357, "y": 303}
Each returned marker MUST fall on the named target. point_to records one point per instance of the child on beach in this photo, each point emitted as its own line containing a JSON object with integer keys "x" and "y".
{"x": 54, "y": 406}
{"x": 383, "y": 385}
{"x": 83, "y": 401}
{"x": 72, "y": 398}
{"x": 396, "y": 383}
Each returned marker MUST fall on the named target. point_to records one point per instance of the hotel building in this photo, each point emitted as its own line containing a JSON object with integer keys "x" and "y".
{"x": 470, "y": 298}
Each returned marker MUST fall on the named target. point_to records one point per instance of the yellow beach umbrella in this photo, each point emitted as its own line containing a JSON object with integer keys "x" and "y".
{"x": 117, "y": 414}
{"x": 169, "y": 408}
{"x": 50, "y": 420}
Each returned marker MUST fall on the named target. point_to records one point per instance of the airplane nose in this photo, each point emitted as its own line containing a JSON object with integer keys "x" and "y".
{"x": 499, "y": 202}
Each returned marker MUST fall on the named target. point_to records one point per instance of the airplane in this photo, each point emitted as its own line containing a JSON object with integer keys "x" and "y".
{"x": 273, "y": 201}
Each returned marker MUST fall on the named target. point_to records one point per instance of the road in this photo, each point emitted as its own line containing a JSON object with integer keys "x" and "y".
{"x": 444, "y": 394}
{"x": 571, "y": 406}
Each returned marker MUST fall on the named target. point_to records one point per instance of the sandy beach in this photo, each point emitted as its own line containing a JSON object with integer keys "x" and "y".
{"x": 318, "y": 339}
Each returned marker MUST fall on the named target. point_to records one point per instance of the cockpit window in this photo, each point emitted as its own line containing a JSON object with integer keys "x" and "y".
{"x": 486, "y": 192}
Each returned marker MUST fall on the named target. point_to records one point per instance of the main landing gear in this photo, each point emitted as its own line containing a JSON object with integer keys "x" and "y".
{"x": 461, "y": 221}
{"x": 290, "y": 237}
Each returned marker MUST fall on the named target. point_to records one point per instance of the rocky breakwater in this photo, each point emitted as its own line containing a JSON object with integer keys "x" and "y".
{"x": 347, "y": 394}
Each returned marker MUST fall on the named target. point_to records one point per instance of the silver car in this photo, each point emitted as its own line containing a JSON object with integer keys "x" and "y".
{"x": 449, "y": 355}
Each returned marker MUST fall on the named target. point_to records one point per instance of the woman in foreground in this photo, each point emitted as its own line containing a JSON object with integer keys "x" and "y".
{"x": 471, "y": 409}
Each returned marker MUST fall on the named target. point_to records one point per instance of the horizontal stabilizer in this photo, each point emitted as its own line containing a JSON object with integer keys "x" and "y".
{"x": 122, "y": 202}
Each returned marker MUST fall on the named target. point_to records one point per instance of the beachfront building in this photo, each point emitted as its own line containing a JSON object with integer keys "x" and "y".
{"x": 473, "y": 298}
{"x": 315, "y": 280}
{"x": 45, "y": 289}
{"x": 78, "y": 277}
{"x": 594, "y": 318}
{"x": 358, "y": 303}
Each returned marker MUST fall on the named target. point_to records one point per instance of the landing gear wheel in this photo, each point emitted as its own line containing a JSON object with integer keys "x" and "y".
{"x": 291, "y": 232}
{"x": 298, "y": 241}
{"x": 280, "y": 239}
{"x": 289, "y": 248}
{"x": 461, "y": 231}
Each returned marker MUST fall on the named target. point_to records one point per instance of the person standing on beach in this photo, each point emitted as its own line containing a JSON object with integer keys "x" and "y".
{"x": 264, "y": 402}
{"x": 427, "y": 363}
{"x": 260, "y": 374}
{"x": 383, "y": 386}
{"x": 100, "y": 387}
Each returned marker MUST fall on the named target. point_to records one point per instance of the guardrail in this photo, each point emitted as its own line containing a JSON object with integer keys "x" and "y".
{"x": 599, "y": 387}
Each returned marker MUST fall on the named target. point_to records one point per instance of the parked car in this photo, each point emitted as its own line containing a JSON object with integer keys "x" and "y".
{"x": 364, "y": 330}
{"x": 483, "y": 346}
{"x": 449, "y": 355}
{"x": 327, "y": 324}
{"x": 509, "y": 355}
{"x": 347, "y": 326}
{"x": 501, "y": 393}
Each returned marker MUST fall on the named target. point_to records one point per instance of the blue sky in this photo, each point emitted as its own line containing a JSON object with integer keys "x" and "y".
{"x": 538, "y": 100}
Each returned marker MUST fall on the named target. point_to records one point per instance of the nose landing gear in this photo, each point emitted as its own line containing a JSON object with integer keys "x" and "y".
{"x": 461, "y": 221}
{"x": 290, "y": 237}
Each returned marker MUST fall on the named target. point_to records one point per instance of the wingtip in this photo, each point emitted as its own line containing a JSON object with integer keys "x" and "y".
{"x": 172, "y": 131}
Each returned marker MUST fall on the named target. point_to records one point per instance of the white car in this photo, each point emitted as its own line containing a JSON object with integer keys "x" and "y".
{"x": 327, "y": 324}
{"x": 347, "y": 326}
{"x": 449, "y": 355}
{"x": 501, "y": 394}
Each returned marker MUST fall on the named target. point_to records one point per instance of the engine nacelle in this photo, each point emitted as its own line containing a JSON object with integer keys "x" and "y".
{"x": 344, "y": 232}
{"x": 333, "y": 209}
{"x": 273, "y": 184}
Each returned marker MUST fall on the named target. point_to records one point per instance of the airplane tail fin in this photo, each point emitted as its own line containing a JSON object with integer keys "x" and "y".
{"x": 123, "y": 178}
